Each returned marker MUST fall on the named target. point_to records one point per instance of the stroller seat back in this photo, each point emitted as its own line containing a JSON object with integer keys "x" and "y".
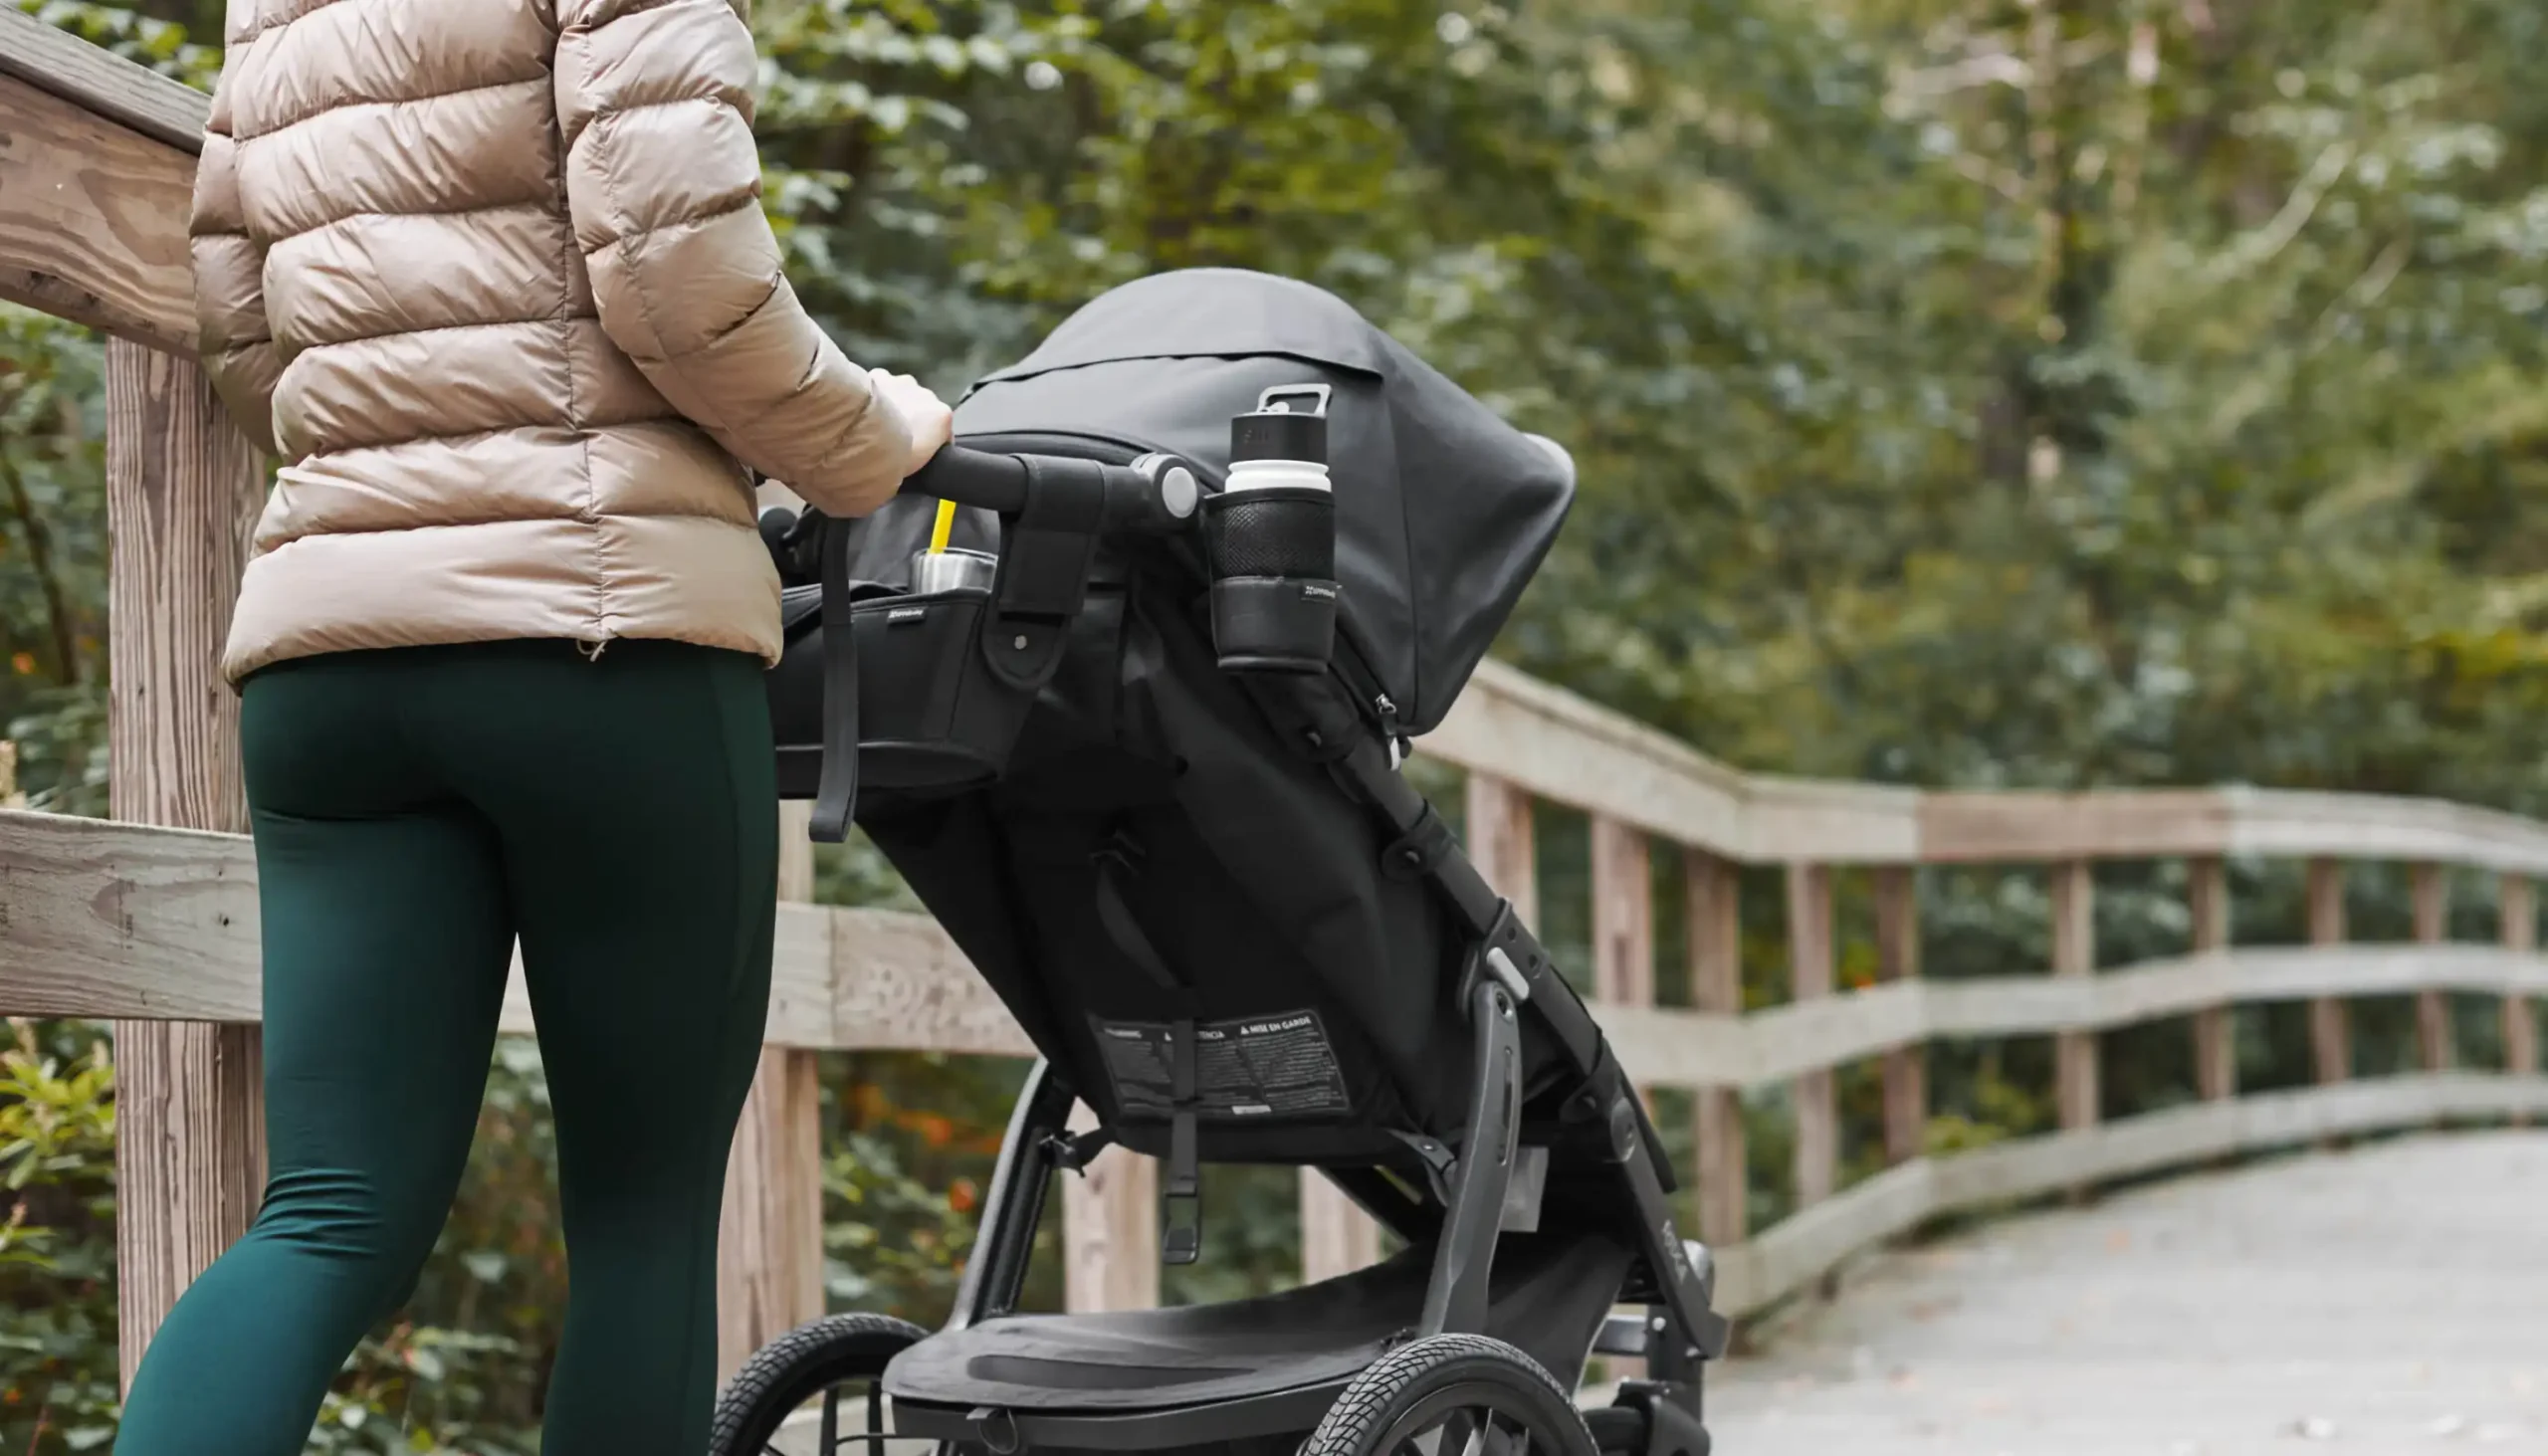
{"x": 1155, "y": 852}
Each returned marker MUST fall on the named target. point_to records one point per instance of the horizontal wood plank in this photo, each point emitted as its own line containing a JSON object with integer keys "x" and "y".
{"x": 1552, "y": 743}
{"x": 115, "y": 920}
{"x": 900, "y": 983}
{"x": 2006, "y": 827}
{"x": 1698, "y": 1049}
{"x": 1801, "y": 1250}
{"x": 102, "y": 83}
{"x": 1565, "y": 750}
{"x": 2297, "y": 825}
{"x": 93, "y": 220}
{"x": 118, "y": 921}
{"x": 1800, "y": 820}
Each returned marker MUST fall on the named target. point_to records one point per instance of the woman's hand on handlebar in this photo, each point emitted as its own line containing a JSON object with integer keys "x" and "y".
{"x": 931, "y": 422}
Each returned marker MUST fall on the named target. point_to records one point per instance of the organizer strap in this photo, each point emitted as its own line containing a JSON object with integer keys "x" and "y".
{"x": 1181, "y": 1191}
{"x": 836, "y": 793}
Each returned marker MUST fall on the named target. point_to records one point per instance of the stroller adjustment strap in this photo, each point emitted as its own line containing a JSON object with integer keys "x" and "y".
{"x": 1181, "y": 1191}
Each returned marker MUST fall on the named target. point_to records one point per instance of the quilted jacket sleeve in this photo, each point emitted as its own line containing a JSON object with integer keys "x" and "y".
{"x": 654, "y": 97}
{"x": 231, "y": 332}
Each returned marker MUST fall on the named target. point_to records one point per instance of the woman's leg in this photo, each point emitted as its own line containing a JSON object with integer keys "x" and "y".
{"x": 639, "y": 817}
{"x": 386, "y": 942}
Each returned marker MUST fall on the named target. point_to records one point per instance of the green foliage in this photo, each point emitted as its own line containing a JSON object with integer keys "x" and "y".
{"x": 53, "y": 559}
{"x": 912, "y": 1138}
{"x": 857, "y": 872}
{"x": 52, "y": 516}
{"x": 893, "y": 1243}
{"x": 170, "y": 44}
{"x": 57, "y": 1250}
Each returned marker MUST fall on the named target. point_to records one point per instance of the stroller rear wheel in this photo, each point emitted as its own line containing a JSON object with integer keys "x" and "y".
{"x": 1470, "y": 1395}
{"x": 769, "y": 1408}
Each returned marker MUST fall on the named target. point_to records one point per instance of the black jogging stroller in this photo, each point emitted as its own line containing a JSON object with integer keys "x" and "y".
{"x": 1138, "y": 752}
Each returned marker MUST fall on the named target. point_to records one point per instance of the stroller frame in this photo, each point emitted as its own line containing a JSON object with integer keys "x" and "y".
{"x": 1509, "y": 976}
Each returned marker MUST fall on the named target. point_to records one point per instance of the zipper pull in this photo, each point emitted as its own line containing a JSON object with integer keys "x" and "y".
{"x": 1387, "y": 708}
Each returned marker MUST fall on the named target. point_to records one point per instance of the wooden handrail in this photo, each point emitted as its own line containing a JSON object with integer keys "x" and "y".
{"x": 1795, "y": 1254}
{"x": 129, "y": 921}
{"x": 96, "y": 164}
{"x": 136, "y": 923}
{"x": 102, "y": 83}
{"x": 1562, "y": 748}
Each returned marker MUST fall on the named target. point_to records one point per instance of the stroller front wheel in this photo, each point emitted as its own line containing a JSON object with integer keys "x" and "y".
{"x": 1482, "y": 1396}
{"x": 818, "y": 1359}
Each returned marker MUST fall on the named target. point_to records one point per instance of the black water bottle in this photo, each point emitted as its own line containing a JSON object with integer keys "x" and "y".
{"x": 1270, "y": 536}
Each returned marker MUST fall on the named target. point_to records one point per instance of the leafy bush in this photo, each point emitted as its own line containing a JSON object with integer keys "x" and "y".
{"x": 57, "y": 1249}
{"x": 53, "y": 559}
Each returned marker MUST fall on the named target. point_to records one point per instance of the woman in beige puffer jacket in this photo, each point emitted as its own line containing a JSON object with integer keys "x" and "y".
{"x": 491, "y": 279}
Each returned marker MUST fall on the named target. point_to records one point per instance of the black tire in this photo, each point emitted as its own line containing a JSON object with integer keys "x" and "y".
{"x": 799, "y": 1366}
{"x": 1448, "y": 1378}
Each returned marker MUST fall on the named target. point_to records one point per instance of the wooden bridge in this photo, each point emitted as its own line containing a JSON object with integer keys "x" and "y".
{"x": 2381, "y": 1288}
{"x": 2385, "y": 1298}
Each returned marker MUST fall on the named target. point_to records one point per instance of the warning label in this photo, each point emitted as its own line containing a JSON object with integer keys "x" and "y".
{"x": 1279, "y": 1065}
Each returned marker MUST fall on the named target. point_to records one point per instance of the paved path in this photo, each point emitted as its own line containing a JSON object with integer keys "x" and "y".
{"x": 2390, "y": 1298}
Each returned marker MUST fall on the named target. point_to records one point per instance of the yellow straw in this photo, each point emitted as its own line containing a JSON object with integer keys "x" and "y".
{"x": 945, "y": 527}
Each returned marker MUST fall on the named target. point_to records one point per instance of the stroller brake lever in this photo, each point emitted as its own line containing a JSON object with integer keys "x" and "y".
{"x": 1075, "y": 1154}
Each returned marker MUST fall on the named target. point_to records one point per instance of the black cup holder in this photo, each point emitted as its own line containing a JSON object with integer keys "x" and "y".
{"x": 1273, "y": 558}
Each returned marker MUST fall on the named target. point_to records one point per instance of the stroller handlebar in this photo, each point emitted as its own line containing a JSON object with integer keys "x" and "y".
{"x": 1156, "y": 495}
{"x": 975, "y": 477}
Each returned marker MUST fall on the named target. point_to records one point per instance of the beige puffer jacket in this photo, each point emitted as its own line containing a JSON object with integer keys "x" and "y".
{"x": 492, "y": 279}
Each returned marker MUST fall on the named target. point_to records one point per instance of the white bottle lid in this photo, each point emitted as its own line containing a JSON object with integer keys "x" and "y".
{"x": 1259, "y": 475}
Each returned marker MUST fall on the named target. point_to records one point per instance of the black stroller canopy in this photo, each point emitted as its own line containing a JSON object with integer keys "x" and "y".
{"x": 1443, "y": 510}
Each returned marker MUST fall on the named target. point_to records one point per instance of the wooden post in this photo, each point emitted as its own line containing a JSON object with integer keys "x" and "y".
{"x": 2330, "y": 1039}
{"x": 1622, "y": 915}
{"x": 1716, "y": 986}
{"x": 1809, "y": 950}
{"x": 1906, "y": 1068}
{"x": 1337, "y": 1236}
{"x": 2519, "y": 930}
{"x": 1110, "y": 1230}
{"x": 2431, "y": 894}
{"x": 2216, "y": 1044}
{"x": 183, "y": 489}
{"x": 770, "y": 1247}
{"x": 1501, "y": 842}
{"x": 1623, "y": 921}
{"x": 2074, "y": 955}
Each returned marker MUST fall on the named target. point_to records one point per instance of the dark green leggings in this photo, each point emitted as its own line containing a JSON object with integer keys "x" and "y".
{"x": 415, "y": 811}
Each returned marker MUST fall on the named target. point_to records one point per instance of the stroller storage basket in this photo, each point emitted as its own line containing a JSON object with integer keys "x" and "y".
{"x": 931, "y": 715}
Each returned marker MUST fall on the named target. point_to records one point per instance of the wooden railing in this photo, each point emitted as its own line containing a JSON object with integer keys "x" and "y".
{"x": 155, "y": 928}
{"x": 106, "y": 920}
{"x": 1645, "y": 793}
